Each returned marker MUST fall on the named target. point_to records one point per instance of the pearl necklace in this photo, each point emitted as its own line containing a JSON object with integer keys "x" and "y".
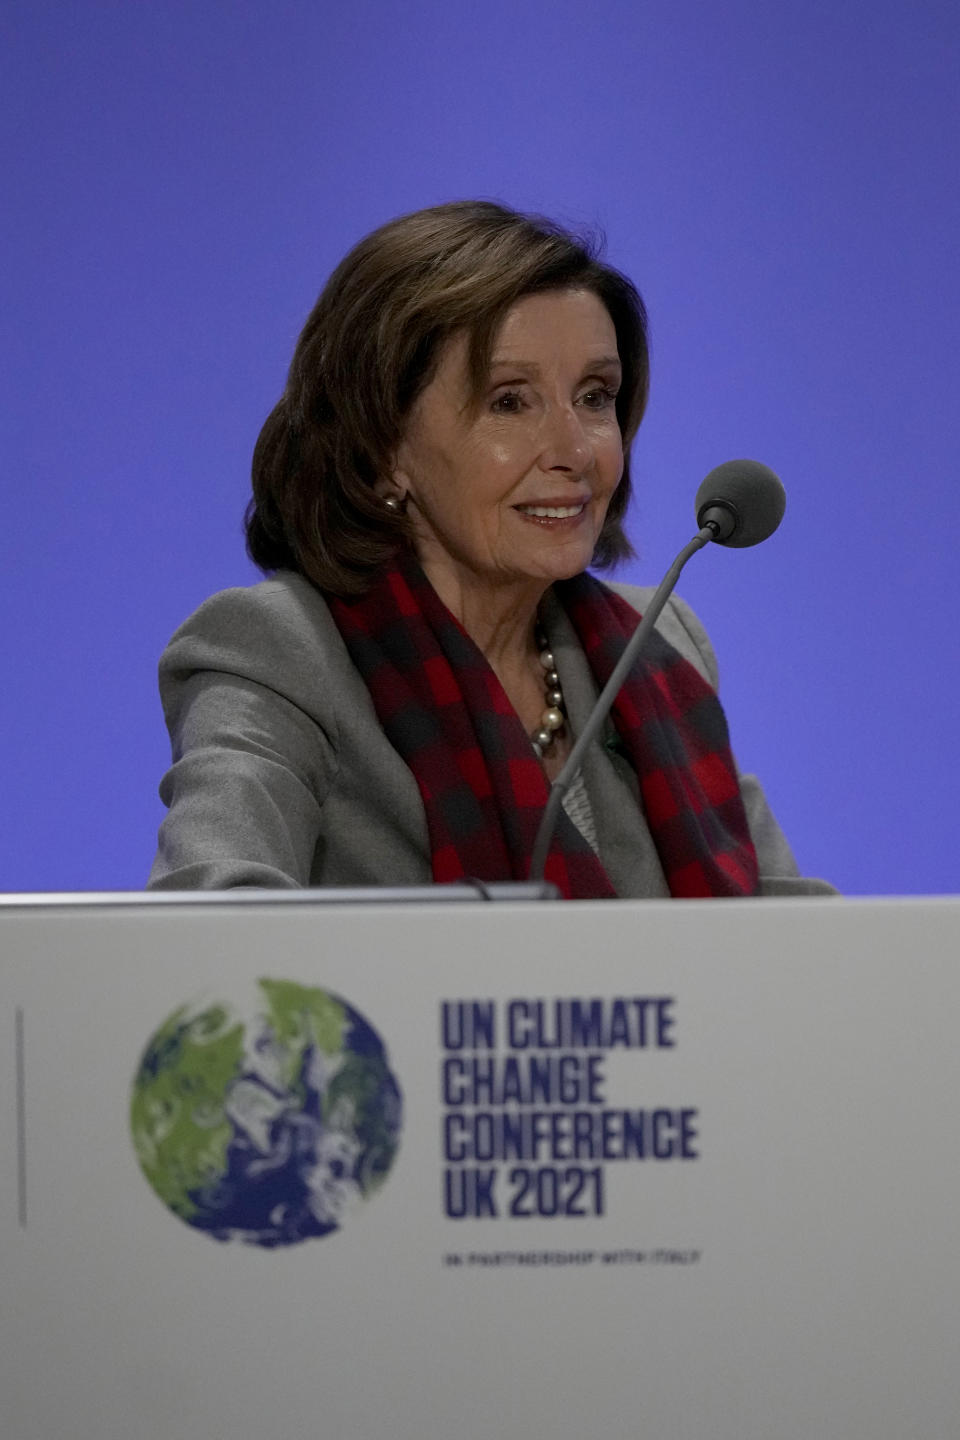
{"x": 552, "y": 719}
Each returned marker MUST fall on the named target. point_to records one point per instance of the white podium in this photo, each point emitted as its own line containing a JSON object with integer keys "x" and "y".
{"x": 680, "y": 1170}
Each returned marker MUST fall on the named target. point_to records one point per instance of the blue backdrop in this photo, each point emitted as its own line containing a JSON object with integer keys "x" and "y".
{"x": 781, "y": 182}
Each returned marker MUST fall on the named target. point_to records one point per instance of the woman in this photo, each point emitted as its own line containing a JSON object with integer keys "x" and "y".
{"x": 450, "y": 454}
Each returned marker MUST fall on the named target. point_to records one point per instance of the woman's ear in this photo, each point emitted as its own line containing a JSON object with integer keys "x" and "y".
{"x": 392, "y": 490}
{"x": 395, "y": 484}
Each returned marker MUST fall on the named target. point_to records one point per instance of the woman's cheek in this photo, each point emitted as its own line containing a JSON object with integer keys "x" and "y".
{"x": 503, "y": 454}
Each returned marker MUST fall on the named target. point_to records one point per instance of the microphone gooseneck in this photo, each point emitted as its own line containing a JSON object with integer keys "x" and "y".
{"x": 739, "y": 503}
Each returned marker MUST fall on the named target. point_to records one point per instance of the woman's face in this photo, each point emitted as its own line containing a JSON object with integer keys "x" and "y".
{"x": 511, "y": 493}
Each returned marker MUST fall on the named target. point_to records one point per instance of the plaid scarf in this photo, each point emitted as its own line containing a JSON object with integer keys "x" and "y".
{"x": 483, "y": 789}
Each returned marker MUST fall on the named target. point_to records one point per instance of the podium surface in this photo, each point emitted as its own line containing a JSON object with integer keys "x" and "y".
{"x": 671, "y": 1168}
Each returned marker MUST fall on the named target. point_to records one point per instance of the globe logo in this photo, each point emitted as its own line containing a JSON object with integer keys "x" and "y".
{"x": 269, "y": 1122}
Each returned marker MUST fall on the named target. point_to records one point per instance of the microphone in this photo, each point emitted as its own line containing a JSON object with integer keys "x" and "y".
{"x": 742, "y": 501}
{"x": 739, "y": 503}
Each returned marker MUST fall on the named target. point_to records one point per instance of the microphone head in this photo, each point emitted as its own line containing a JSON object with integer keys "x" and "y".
{"x": 744, "y": 500}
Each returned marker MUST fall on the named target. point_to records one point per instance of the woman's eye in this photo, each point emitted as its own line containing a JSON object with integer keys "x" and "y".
{"x": 600, "y": 398}
{"x": 508, "y": 402}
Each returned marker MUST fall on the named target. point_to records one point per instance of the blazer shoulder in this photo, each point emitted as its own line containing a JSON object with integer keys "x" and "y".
{"x": 278, "y": 634}
{"x": 285, "y": 609}
{"x": 679, "y": 625}
{"x": 278, "y": 626}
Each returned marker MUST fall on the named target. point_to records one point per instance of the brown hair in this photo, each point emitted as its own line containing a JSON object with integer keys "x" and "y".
{"x": 371, "y": 345}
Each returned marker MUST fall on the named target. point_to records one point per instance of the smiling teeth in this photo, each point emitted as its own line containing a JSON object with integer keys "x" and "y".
{"x": 551, "y": 512}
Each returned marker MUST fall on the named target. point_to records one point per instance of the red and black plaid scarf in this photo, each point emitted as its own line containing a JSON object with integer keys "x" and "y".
{"x": 448, "y": 717}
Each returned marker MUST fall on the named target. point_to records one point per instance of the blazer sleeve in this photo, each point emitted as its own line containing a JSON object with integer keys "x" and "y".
{"x": 250, "y": 766}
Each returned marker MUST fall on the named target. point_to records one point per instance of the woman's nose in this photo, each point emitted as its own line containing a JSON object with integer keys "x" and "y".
{"x": 566, "y": 445}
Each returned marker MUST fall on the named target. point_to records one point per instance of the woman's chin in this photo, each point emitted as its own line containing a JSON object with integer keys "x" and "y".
{"x": 561, "y": 562}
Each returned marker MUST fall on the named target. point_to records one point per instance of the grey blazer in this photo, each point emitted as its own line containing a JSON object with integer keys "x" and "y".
{"x": 282, "y": 775}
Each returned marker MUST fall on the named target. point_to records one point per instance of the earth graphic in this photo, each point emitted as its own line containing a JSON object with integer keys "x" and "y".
{"x": 269, "y": 1122}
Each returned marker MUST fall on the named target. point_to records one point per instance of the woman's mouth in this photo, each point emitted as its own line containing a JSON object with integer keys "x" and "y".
{"x": 552, "y": 512}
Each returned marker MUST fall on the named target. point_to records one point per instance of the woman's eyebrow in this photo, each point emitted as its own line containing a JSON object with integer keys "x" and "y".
{"x": 602, "y": 362}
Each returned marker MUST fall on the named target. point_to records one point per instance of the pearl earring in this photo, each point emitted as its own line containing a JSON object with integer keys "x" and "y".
{"x": 394, "y": 504}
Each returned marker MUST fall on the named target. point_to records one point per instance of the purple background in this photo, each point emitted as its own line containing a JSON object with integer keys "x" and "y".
{"x": 781, "y": 182}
